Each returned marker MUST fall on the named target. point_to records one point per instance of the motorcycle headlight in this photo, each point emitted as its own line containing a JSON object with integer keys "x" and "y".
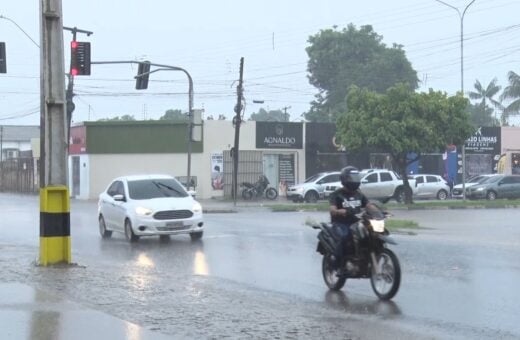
{"x": 142, "y": 211}
{"x": 197, "y": 208}
{"x": 378, "y": 225}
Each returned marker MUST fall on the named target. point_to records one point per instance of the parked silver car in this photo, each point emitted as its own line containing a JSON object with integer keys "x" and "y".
{"x": 478, "y": 179}
{"x": 498, "y": 186}
{"x": 430, "y": 186}
{"x": 313, "y": 188}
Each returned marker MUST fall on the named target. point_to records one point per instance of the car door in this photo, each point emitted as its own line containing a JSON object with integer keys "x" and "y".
{"x": 108, "y": 204}
{"x": 515, "y": 188}
{"x": 420, "y": 186}
{"x": 369, "y": 185}
{"x": 506, "y": 187}
{"x": 326, "y": 180}
{"x": 119, "y": 207}
{"x": 431, "y": 186}
{"x": 386, "y": 184}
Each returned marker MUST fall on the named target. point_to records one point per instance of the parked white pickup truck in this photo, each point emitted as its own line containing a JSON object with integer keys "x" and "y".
{"x": 379, "y": 184}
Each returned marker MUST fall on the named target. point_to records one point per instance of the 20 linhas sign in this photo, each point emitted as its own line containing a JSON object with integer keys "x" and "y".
{"x": 484, "y": 140}
{"x": 279, "y": 135}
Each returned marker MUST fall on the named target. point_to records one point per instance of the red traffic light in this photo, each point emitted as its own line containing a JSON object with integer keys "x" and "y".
{"x": 79, "y": 58}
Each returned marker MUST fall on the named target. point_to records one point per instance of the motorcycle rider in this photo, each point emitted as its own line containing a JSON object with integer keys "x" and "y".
{"x": 345, "y": 203}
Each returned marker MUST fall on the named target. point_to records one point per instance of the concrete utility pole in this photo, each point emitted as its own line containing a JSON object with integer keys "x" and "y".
{"x": 237, "y": 120}
{"x": 54, "y": 196}
{"x": 285, "y": 116}
{"x": 461, "y": 17}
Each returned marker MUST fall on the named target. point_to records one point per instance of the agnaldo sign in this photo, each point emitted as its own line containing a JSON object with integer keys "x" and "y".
{"x": 279, "y": 135}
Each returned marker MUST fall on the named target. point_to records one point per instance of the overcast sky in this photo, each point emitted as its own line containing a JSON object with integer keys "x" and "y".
{"x": 208, "y": 38}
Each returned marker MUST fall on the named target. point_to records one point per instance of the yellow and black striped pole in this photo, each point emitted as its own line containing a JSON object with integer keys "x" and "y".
{"x": 54, "y": 225}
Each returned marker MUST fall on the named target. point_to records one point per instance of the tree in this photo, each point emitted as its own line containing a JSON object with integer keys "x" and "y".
{"x": 122, "y": 118}
{"x": 402, "y": 122}
{"x": 487, "y": 93}
{"x": 511, "y": 93}
{"x": 268, "y": 116}
{"x": 174, "y": 115}
{"x": 339, "y": 59}
{"x": 481, "y": 115}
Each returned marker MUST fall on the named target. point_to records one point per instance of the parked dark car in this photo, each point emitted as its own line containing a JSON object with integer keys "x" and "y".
{"x": 499, "y": 186}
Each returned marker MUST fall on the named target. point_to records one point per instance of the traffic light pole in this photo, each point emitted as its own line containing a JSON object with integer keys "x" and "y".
{"x": 69, "y": 95}
{"x": 190, "y": 100}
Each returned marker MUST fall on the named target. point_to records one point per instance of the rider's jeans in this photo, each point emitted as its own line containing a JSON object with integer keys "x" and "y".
{"x": 343, "y": 231}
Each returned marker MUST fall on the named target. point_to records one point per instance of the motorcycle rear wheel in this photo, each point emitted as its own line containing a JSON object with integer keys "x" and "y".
{"x": 329, "y": 272}
{"x": 247, "y": 194}
{"x": 386, "y": 284}
{"x": 271, "y": 193}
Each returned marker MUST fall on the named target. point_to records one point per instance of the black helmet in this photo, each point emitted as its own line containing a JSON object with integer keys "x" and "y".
{"x": 350, "y": 178}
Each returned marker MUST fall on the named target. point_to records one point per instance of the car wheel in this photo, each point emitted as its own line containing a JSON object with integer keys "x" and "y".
{"x": 196, "y": 235}
{"x": 103, "y": 228}
{"x": 491, "y": 195}
{"x": 442, "y": 195}
{"x": 129, "y": 232}
{"x": 311, "y": 197}
{"x": 400, "y": 195}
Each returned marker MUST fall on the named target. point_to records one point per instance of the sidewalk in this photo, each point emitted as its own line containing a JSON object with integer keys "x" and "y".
{"x": 226, "y": 205}
{"x": 31, "y": 314}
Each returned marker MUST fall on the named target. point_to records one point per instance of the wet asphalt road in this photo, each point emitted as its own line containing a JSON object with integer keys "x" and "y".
{"x": 255, "y": 268}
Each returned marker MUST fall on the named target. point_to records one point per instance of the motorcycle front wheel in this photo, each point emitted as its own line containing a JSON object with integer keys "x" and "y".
{"x": 385, "y": 282}
{"x": 329, "y": 271}
{"x": 271, "y": 193}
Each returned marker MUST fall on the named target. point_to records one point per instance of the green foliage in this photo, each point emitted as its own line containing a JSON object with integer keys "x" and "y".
{"x": 115, "y": 119}
{"x": 220, "y": 117}
{"x": 174, "y": 115}
{"x": 481, "y": 115}
{"x": 512, "y": 94}
{"x": 269, "y": 116}
{"x": 402, "y": 121}
{"x": 339, "y": 59}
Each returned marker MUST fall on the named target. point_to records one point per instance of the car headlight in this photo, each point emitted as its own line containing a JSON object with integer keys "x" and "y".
{"x": 479, "y": 189}
{"x": 142, "y": 211}
{"x": 299, "y": 189}
{"x": 197, "y": 208}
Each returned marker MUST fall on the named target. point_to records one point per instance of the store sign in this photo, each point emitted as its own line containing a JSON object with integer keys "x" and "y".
{"x": 484, "y": 140}
{"x": 279, "y": 135}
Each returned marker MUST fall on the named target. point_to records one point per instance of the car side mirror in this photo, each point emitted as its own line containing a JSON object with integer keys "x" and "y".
{"x": 192, "y": 193}
{"x": 364, "y": 181}
{"x": 119, "y": 198}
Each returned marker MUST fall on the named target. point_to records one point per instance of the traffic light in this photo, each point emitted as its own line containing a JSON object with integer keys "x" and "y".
{"x": 143, "y": 74}
{"x": 79, "y": 58}
{"x": 3, "y": 62}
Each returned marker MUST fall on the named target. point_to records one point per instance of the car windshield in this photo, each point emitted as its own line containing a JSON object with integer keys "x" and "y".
{"x": 313, "y": 178}
{"x": 490, "y": 179}
{"x": 155, "y": 188}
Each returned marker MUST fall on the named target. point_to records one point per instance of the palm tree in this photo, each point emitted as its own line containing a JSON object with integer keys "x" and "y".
{"x": 512, "y": 92}
{"x": 488, "y": 93}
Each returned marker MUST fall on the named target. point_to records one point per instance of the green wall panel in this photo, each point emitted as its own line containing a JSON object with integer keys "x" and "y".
{"x": 138, "y": 137}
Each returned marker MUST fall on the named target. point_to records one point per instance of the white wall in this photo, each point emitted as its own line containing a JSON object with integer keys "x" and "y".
{"x": 219, "y": 136}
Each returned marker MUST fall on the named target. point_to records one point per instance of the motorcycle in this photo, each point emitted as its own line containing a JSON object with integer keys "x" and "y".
{"x": 372, "y": 259}
{"x": 257, "y": 190}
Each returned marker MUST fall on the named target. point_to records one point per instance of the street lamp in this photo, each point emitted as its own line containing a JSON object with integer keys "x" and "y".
{"x": 461, "y": 17}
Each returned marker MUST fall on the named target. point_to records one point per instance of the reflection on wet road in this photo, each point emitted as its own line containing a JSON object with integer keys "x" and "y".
{"x": 460, "y": 271}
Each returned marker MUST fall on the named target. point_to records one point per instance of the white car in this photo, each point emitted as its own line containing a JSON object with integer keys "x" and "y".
{"x": 430, "y": 186}
{"x": 148, "y": 205}
{"x": 313, "y": 188}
